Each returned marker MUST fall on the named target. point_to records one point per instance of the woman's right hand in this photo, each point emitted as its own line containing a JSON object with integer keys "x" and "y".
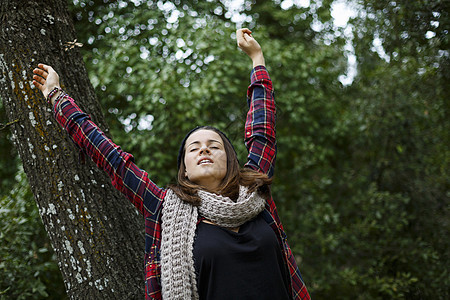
{"x": 46, "y": 79}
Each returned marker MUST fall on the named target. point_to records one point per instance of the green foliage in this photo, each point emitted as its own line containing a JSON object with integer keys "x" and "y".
{"x": 401, "y": 101}
{"x": 27, "y": 266}
{"x": 366, "y": 268}
{"x": 166, "y": 72}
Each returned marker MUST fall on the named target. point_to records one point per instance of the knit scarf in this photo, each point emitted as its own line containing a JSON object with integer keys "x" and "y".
{"x": 179, "y": 221}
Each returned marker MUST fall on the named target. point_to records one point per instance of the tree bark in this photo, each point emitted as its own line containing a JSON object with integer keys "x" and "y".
{"x": 96, "y": 233}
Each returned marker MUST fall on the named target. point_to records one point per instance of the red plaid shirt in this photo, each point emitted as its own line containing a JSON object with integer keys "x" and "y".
{"x": 147, "y": 197}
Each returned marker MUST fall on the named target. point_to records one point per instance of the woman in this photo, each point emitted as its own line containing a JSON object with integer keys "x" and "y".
{"x": 216, "y": 233}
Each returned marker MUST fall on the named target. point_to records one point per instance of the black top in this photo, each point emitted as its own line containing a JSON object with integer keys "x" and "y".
{"x": 240, "y": 265}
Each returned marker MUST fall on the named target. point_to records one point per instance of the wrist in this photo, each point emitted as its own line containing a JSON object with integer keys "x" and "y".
{"x": 258, "y": 60}
{"x": 54, "y": 98}
{"x": 53, "y": 94}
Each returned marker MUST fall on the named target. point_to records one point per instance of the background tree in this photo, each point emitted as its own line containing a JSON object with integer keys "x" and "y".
{"x": 96, "y": 234}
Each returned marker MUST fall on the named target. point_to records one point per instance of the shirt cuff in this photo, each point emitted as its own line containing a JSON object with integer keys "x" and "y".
{"x": 66, "y": 109}
{"x": 260, "y": 74}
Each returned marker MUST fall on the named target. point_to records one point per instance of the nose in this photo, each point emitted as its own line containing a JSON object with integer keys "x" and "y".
{"x": 204, "y": 150}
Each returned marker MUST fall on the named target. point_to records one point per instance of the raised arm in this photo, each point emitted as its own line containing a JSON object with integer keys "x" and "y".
{"x": 119, "y": 165}
{"x": 260, "y": 137}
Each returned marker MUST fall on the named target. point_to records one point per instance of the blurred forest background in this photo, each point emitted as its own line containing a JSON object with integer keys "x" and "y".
{"x": 361, "y": 183}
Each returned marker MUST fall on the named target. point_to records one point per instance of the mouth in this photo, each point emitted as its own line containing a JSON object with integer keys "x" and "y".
{"x": 205, "y": 161}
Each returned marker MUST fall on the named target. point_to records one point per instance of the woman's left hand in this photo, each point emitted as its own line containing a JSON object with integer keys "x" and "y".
{"x": 250, "y": 46}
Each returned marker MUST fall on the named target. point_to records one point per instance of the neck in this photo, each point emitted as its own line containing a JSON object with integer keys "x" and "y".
{"x": 210, "y": 186}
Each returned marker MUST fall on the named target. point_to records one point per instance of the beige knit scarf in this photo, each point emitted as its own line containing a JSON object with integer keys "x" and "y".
{"x": 179, "y": 221}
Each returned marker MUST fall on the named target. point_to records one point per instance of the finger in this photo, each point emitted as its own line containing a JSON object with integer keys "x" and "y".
{"x": 239, "y": 35}
{"x": 242, "y": 31}
{"x": 247, "y": 37}
{"x": 46, "y": 68}
{"x": 40, "y": 72}
{"x": 244, "y": 37}
{"x": 240, "y": 40}
{"x": 38, "y": 85}
{"x": 39, "y": 79}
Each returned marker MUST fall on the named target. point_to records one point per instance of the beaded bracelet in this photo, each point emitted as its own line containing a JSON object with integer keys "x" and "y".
{"x": 61, "y": 96}
{"x": 52, "y": 93}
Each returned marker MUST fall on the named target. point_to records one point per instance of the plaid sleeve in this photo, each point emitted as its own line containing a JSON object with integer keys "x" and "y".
{"x": 119, "y": 165}
{"x": 260, "y": 124}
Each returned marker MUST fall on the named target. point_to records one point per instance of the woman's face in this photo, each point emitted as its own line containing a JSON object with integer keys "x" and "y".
{"x": 205, "y": 158}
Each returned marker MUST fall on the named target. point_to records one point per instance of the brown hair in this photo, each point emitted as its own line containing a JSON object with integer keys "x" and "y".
{"x": 234, "y": 177}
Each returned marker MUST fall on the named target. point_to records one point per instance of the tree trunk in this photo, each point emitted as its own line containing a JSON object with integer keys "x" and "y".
{"x": 96, "y": 233}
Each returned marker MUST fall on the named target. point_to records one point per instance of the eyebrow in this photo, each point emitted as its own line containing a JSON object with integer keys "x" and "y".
{"x": 209, "y": 141}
